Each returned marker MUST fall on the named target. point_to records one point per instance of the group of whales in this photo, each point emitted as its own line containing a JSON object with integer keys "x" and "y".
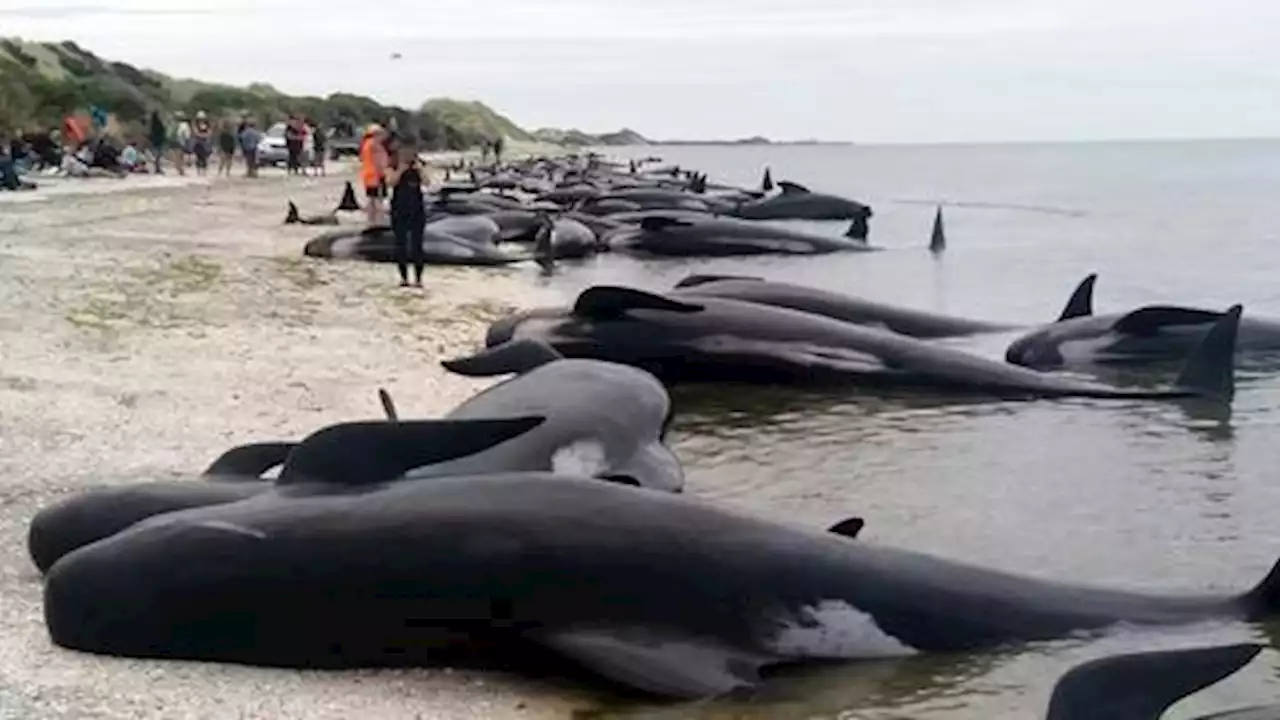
{"x": 578, "y": 207}
{"x": 725, "y": 328}
{"x": 542, "y": 520}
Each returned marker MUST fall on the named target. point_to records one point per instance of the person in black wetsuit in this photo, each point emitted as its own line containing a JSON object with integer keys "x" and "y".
{"x": 408, "y": 210}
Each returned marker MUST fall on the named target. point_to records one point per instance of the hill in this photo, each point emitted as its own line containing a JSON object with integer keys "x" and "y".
{"x": 43, "y": 82}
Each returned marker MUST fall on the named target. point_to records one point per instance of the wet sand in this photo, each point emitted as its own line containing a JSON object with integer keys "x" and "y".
{"x": 148, "y": 325}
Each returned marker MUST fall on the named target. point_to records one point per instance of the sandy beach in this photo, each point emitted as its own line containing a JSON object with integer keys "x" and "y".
{"x": 148, "y": 325}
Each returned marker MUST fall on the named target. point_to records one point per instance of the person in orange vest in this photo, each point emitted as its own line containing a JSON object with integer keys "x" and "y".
{"x": 373, "y": 171}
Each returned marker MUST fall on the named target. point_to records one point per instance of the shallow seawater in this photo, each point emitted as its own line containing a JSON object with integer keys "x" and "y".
{"x": 1136, "y": 494}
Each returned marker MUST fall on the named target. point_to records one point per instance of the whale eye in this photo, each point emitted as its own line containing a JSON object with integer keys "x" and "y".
{"x": 620, "y": 480}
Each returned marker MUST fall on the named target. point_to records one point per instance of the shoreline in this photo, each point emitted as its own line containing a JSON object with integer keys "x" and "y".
{"x": 148, "y": 329}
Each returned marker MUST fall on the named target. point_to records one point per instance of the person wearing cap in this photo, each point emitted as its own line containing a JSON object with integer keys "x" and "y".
{"x": 202, "y": 142}
{"x": 373, "y": 170}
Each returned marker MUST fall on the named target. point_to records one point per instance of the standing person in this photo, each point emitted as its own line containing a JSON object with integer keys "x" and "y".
{"x": 181, "y": 143}
{"x": 226, "y": 148}
{"x": 202, "y": 142}
{"x": 293, "y": 137}
{"x": 249, "y": 139}
{"x": 373, "y": 169}
{"x": 408, "y": 211}
{"x": 157, "y": 135}
{"x": 498, "y": 144}
{"x": 319, "y": 144}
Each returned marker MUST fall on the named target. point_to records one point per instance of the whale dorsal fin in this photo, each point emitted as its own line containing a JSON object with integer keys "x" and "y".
{"x": 1141, "y": 686}
{"x": 366, "y": 453}
{"x": 1080, "y": 304}
{"x": 695, "y": 280}
{"x": 607, "y": 302}
{"x": 849, "y": 527}
{"x": 789, "y": 188}
{"x": 766, "y": 183}
{"x": 513, "y": 356}
{"x": 292, "y": 216}
{"x": 658, "y": 223}
{"x": 1151, "y": 320}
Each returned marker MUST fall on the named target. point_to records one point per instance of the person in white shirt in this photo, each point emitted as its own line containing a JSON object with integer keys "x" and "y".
{"x": 182, "y": 143}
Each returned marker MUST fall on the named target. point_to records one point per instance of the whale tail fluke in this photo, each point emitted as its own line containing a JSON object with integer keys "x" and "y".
{"x": 292, "y": 217}
{"x": 1080, "y": 304}
{"x": 1141, "y": 686}
{"x": 1263, "y": 601}
{"x": 249, "y": 461}
{"x": 1210, "y": 369}
{"x": 366, "y": 453}
{"x": 349, "y": 202}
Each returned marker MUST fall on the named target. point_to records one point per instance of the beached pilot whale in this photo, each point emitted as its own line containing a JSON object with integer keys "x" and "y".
{"x": 796, "y": 202}
{"x": 597, "y": 420}
{"x": 902, "y": 320}
{"x": 377, "y": 244}
{"x": 688, "y": 235}
{"x": 1154, "y": 332}
{"x": 684, "y": 338}
{"x": 602, "y": 419}
{"x": 1141, "y": 686}
{"x": 658, "y": 592}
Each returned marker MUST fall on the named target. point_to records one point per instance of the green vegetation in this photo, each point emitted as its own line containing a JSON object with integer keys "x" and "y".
{"x": 41, "y": 83}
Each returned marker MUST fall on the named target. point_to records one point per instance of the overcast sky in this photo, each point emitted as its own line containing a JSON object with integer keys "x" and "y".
{"x": 861, "y": 70}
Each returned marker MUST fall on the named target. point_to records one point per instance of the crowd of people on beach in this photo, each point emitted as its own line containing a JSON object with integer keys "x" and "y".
{"x": 85, "y": 148}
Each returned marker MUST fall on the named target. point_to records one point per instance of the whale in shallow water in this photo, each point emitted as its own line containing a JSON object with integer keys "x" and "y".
{"x": 1151, "y": 333}
{"x": 796, "y": 202}
{"x": 1141, "y": 686}
{"x": 658, "y": 592}
{"x": 902, "y": 320}
{"x": 685, "y": 338}
{"x": 685, "y": 235}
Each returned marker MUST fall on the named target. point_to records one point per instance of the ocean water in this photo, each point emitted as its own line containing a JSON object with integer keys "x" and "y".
{"x": 1136, "y": 494}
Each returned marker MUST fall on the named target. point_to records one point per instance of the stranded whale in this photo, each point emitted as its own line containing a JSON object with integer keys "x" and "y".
{"x": 661, "y": 593}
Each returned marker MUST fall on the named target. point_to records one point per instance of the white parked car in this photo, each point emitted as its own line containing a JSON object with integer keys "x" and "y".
{"x": 272, "y": 149}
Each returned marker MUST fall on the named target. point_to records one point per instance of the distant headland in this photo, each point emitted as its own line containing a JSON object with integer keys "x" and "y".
{"x": 42, "y": 82}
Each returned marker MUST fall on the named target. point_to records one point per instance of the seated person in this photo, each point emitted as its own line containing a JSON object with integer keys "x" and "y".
{"x": 129, "y": 158}
{"x": 9, "y": 179}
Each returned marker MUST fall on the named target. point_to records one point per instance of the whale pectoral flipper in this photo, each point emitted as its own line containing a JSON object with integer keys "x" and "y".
{"x": 1141, "y": 686}
{"x": 1080, "y": 304}
{"x": 685, "y": 668}
{"x": 697, "y": 279}
{"x": 1151, "y": 320}
{"x": 605, "y": 302}
{"x": 794, "y": 357}
{"x": 513, "y": 356}
{"x": 849, "y": 527}
{"x": 365, "y": 453}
